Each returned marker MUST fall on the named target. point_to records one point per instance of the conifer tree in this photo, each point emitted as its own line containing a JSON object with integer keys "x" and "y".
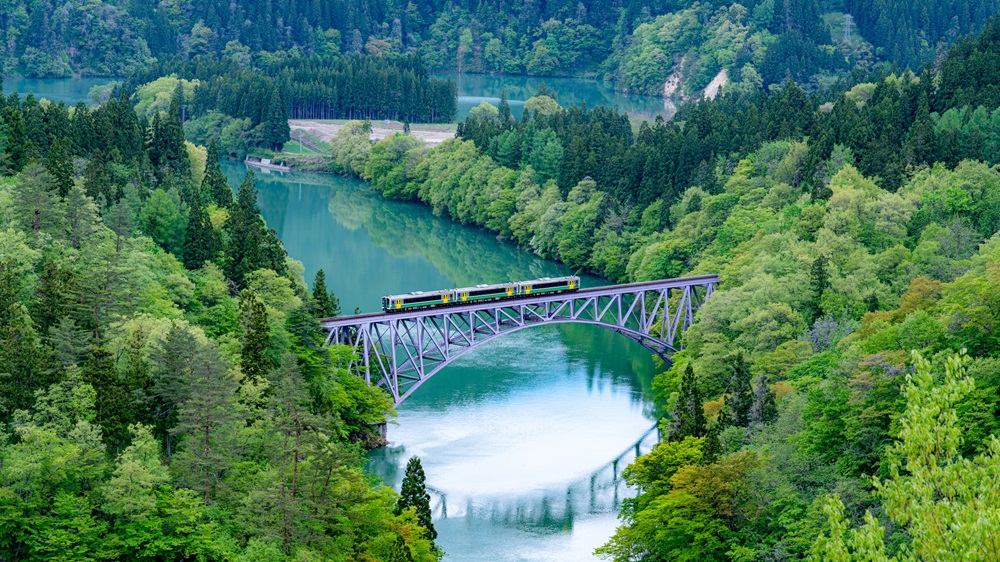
{"x": 22, "y": 365}
{"x": 255, "y": 338}
{"x": 96, "y": 180}
{"x": 819, "y": 281}
{"x": 736, "y": 409}
{"x": 246, "y": 234}
{"x": 114, "y": 405}
{"x": 763, "y": 410}
{"x": 711, "y": 449}
{"x": 325, "y": 304}
{"x": 274, "y": 131}
{"x": 83, "y": 218}
{"x": 206, "y": 417}
{"x": 688, "y": 416}
{"x": 201, "y": 242}
{"x": 36, "y": 204}
{"x": 59, "y": 163}
{"x": 504, "y": 108}
{"x": 54, "y": 295}
{"x": 413, "y": 493}
{"x": 214, "y": 186}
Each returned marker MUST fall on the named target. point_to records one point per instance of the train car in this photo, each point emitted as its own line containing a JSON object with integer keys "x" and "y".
{"x": 499, "y": 291}
{"x": 548, "y": 285}
{"x": 418, "y": 299}
{"x": 485, "y": 292}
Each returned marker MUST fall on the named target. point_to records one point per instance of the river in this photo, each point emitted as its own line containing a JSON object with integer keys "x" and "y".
{"x": 474, "y": 89}
{"x": 522, "y": 441}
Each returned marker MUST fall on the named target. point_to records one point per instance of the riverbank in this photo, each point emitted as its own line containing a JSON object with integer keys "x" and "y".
{"x": 323, "y": 130}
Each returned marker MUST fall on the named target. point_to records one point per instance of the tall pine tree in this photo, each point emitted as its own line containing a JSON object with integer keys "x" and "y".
{"x": 246, "y": 234}
{"x": 688, "y": 416}
{"x": 739, "y": 399}
{"x": 413, "y": 493}
{"x": 201, "y": 242}
{"x": 324, "y": 304}
{"x": 214, "y": 186}
{"x": 255, "y": 338}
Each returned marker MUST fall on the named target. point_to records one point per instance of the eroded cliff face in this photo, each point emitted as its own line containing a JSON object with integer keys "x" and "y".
{"x": 674, "y": 87}
{"x": 716, "y": 85}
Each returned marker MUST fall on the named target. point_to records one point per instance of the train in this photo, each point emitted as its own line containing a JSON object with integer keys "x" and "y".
{"x": 500, "y": 291}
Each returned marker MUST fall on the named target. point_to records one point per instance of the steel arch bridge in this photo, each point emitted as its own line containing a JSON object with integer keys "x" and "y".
{"x": 399, "y": 351}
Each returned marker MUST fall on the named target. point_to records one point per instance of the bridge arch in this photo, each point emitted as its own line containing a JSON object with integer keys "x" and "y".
{"x": 400, "y": 351}
{"x": 660, "y": 348}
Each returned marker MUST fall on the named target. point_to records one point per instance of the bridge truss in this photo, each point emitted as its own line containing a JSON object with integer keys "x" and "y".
{"x": 401, "y": 350}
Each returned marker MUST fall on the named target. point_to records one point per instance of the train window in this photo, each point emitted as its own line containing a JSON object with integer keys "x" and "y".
{"x": 551, "y": 285}
{"x": 431, "y": 298}
{"x": 495, "y": 291}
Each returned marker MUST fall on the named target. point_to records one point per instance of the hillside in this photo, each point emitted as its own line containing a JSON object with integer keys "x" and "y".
{"x": 847, "y": 233}
{"x": 640, "y": 43}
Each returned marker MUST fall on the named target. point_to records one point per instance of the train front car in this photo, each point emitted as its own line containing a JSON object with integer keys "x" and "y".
{"x": 548, "y": 285}
{"x": 417, "y": 300}
{"x": 485, "y": 292}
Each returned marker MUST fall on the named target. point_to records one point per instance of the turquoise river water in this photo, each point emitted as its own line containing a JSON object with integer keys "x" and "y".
{"x": 523, "y": 441}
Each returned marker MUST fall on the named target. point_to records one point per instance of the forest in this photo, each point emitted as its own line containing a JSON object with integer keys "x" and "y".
{"x": 838, "y": 397}
{"x": 646, "y": 46}
{"x": 164, "y": 389}
{"x": 248, "y": 107}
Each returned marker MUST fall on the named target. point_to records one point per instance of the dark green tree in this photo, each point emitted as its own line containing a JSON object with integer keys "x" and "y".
{"x": 215, "y": 187}
{"x": 59, "y": 163}
{"x": 274, "y": 132}
{"x": 324, "y": 304}
{"x": 819, "y": 281}
{"x": 763, "y": 410}
{"x": 22, "y": 363}
{"x": 739, "y": 399}
{"x": 255, "y": 338}
{"x": 688, "y": 415}
{"x": 246, "y": 234}
{"x": 201, "y": 242}
{"x": 413, "y": 493}
{"x": 54, "y": 295}
{"x": 711, "y": 449}
{"x": 115, "y": 408}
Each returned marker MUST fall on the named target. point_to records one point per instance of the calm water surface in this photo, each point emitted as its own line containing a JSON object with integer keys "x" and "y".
{"x": 68, "y": 90}
{"x": 474, "y": 89}
{"x": 522, "y": 441}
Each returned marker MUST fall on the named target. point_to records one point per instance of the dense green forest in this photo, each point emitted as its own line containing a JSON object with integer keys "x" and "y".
{"x": 849, "y": 228}
{"x": 247, "y": 107}
{"x": 164, "y": 390}
{"x": 648, "y": 46}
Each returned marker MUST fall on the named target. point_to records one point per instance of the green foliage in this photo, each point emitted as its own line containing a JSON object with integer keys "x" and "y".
{"x": 413, "y": 495}
{"x": 141, "y": 413}
{"x": 324, "y": 304}
{"x": 250, "y": 246}
{"x": 947, "y": 503}
{"x": 688, "y": 415}
{"x": 201, "y": 241}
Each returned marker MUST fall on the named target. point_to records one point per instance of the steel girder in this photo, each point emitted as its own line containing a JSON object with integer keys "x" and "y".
{"x": 399, "y": 351}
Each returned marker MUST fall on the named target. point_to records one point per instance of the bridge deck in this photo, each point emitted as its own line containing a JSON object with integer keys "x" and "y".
{"x": 340, "y": 321}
